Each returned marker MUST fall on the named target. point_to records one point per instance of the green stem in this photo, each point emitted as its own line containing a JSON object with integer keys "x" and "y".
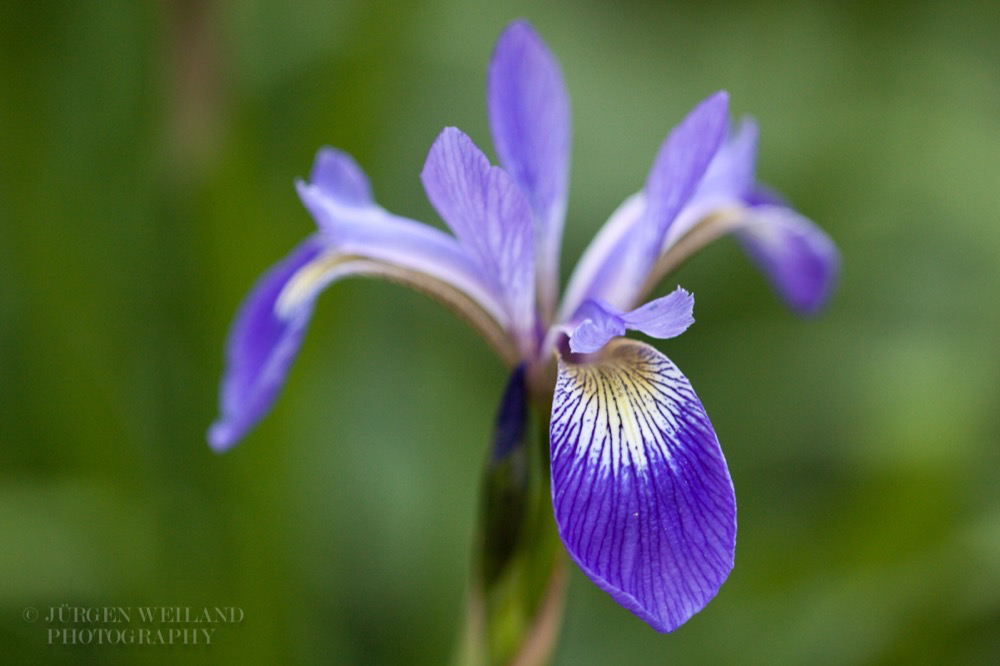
{"x": 519, "y": 565}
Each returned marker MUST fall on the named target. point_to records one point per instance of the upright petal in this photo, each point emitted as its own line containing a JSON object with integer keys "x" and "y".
{"x": 620, "y": 259}
{"x": 798, "y": 258}
{"x": 679, "y": 168}
{"x": 530, "y": 120}
{"x": 260, "y": 349}
{"x": 490, "y": 217}
{"x": 640, "y": 488}
{"x": 601, "y": 262}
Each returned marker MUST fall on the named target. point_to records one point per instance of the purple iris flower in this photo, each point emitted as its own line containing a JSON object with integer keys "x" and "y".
{"x": 641, "y": 493}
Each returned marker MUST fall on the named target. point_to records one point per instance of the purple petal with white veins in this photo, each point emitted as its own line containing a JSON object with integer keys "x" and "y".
{"x": 798, "y": 258}
{"x": 260, "y": 349}
{"x": 491, "y": 218}
{"x": 641, "y": 492}
{"x": 530, "y": 122}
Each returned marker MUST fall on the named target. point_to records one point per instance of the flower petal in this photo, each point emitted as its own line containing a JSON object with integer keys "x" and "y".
{"x": 260, "y": 349}
{"x": 602, "y": 259}
{"x": 491, "y": 219}
{"x": 615, "y": 266}
{"x": 340, "y": 178}
{"x": 677, "y": 170}
{"x": 332, "y": 266}
{"x": 601, "y": 322}
{"x": 530, "y": 121}
{"x": 339, "y": 201}
{"x": 728, "y": 181}
{"x": 663, "y": 318}
{"x": 797, "y": 256}
{"x": 799, "y": 259}
{"x": 640, "y": 489}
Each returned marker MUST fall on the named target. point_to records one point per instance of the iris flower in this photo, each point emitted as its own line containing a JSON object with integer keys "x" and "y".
{"x": 641, "y": 493}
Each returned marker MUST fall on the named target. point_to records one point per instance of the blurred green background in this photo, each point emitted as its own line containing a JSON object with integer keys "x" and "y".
{"x": 147, "y": 155}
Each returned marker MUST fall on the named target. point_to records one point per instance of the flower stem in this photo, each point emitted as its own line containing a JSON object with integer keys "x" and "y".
{"x": 519, "y": 565}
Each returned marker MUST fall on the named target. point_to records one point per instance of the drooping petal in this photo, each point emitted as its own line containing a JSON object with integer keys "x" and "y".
{"x": 260, "y": 349}
{"x": 614, "y": 268}
{"x": 530, "y": 121}
{"x": 665, "y": 317}
{"x": 798, "y": 258}
{"x": 641, "y": 492}
{"x": 333, "y": 265}
{"x": 491, "y": 218}
{"x": 373, "y": 233}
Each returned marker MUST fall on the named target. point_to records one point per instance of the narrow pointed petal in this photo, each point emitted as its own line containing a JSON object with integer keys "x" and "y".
{"x": 641, "y": 492}
{"x": 615, "y": 266}
{"x": 530, "y": 121}
{"x": 491, "y": 218}
{"x": 798, "y": 258}
{"x": 679, "y": 168}
{"x": 665, "y": 317}
{"x": 260, "y": 350}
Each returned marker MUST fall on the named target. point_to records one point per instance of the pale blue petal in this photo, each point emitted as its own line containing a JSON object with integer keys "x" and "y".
{"x": 339, "y": 177}
{"x": 492, "y": 220}
{"x": 530, "y": 120}
{"x": 640, "y": 489}
{"x": 602, "y": 260}
{"x": 339, "y": 201}
{"x": 600, "y": 323}
{"x": 665, "y": 317}
{"x": 678, "y": 170}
